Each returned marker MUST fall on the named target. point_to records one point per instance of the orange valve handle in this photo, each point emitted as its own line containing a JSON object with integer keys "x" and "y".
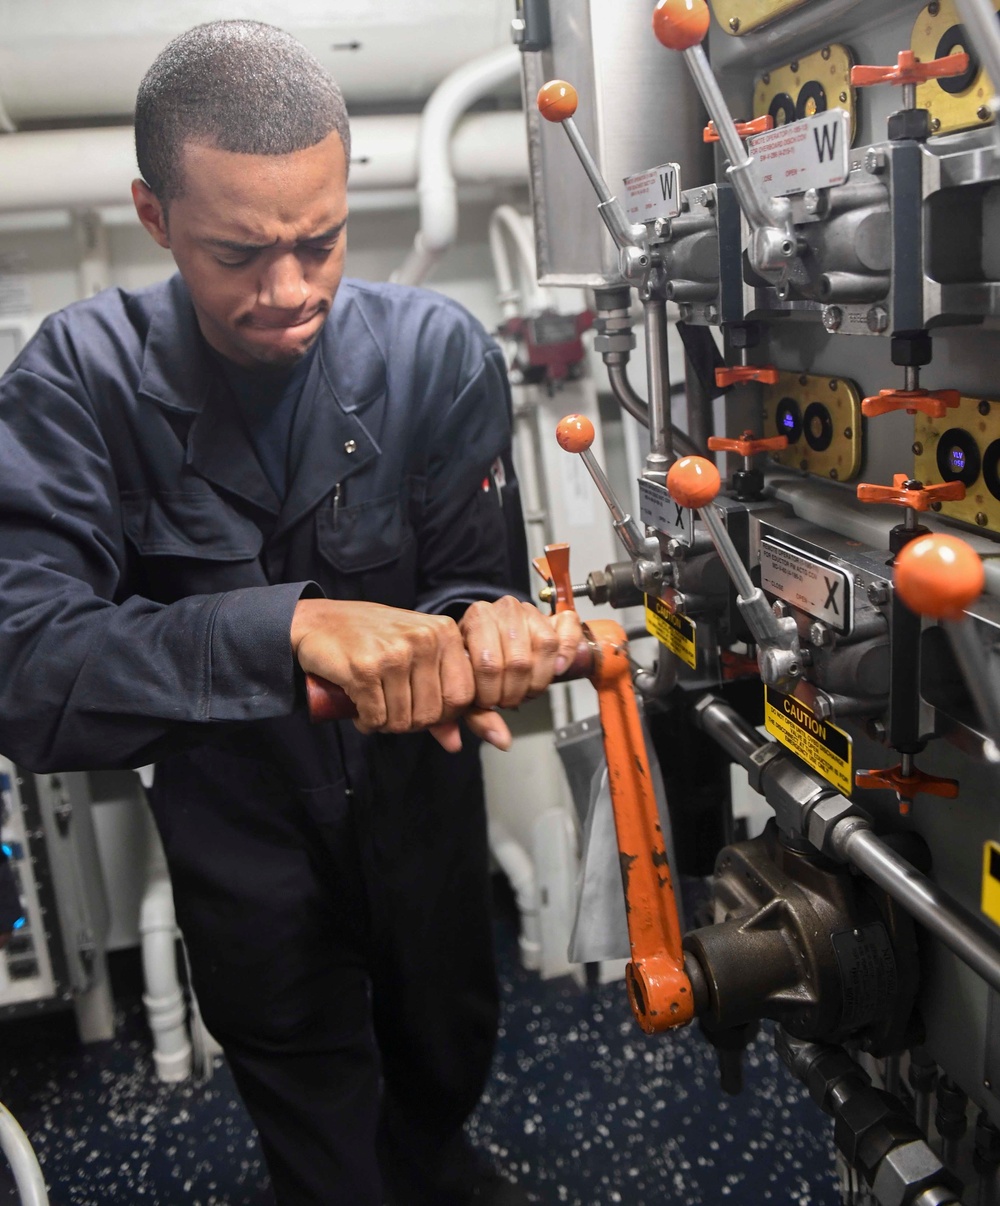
{"x": 915, "y": 496}
{"x": 910, "y": 70}
{"x": 745, "y": 129}
{"x": 556, "y": 100}
{"x": 933, "y": 403}
{"x": 658, "y": 986}
{"x": 681, "y": 24}
{"x": 747, "y": 445}
{"x": 908, "y": 786}
{"x": 736, "y": 374}
{"x": 575, "y": 433}
{"x": 938, "y": 576}
{"x": 693, "y": 482}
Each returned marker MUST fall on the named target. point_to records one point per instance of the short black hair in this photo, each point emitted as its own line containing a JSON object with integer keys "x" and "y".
{"x": 239, "y": 86}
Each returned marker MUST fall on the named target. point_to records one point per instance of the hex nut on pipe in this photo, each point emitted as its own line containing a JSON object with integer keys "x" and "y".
{"x": 904, "y": 1170}
{"x": 822, "y": 818}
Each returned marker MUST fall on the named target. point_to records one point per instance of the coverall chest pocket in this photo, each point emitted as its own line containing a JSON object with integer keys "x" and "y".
{"x": 190, "y": 543}
{"x": 368, "y": 551}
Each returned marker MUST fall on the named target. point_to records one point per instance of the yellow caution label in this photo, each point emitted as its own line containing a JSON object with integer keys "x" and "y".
{"x": 820, "y": 744}
{"x": 991, "y": 881}
{"x": 673, "y": 629}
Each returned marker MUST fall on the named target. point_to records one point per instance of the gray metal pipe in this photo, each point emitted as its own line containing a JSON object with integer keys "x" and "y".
{"x": 962, "y": 932}
{"x": 852, "y": 840}
{"x": 629, "y": 401}
{"x": 661, "y": 451}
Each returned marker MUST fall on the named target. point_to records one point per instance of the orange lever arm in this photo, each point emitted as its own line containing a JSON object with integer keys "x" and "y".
{"x": 658, "y": 986}
{"x": 759, "y": 125}
{"x": 747, "y": 445}
{"x": 933, "y": 403}
{"x": 918, "y": 498}
{"x": 909, "y": 70}
{"x": 735, "y": 374}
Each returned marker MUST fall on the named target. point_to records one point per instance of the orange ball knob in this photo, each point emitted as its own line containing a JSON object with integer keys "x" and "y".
{"x": 556, "y": 100}
{"x": 693, "y": 481}
{"x": 939, "y": 576}
{"x": 681, "y": 24}
{"x": 575, "y": 433}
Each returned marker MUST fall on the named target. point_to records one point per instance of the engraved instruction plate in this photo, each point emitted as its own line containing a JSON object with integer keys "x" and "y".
{"x": 821, "y": 590}
{"x": 658, "y": 510}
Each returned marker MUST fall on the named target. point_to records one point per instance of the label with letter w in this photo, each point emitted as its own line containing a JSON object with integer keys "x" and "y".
{"x": 812, "y": 153}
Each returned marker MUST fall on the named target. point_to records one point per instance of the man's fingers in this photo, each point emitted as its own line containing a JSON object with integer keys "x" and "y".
{"x": 569, "y": 633}
{"x": 448, "y": 735}
{"x": 490, "y": 727}
{"x": 484, "y": 644}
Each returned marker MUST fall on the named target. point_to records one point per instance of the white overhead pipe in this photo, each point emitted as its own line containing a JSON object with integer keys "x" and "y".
{"x": 91, "y": 168}
{"x": 436, "y": 184}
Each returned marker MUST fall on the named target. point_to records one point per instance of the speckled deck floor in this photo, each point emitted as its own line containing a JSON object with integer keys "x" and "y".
{"x": 582, "y": 1109}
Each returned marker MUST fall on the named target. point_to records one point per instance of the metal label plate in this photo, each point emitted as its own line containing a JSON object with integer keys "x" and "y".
{"x": 812, "y": 153}
{"x": 820, "y": 744}
{"x": 653, "y": 194}
{"x": 658, "y": 510}
{"x": 867, "y": 972}
{"x": 821, "y": 590}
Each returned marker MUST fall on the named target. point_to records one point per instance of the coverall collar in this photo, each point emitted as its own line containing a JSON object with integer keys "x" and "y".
{"x": 330, "y": 440}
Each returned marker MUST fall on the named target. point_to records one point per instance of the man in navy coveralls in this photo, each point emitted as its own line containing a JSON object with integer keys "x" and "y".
{"x": 213, "y": 485}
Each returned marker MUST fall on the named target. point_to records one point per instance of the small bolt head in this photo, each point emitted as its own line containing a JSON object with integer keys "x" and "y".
{"x": 878, "y": 320}
{"x": 825, "y": 52}
{"x": 794, "y": 66}
{"x": 734, "y": 24}
{"x": 833, "y": 318}
{"x": 834, "y": 475}
{"x": 933, "y": 8}
{"x": 711, "y": 312}
{"x": 984, "y": 408}
{"x": 983, "y": 113}
{"x": 848, "y": 433}
{"x": 874, "y": 161}
{"x": 834, "y": 384}
{"x": 686, "y": 311}
{"x": 811, "y": 200}
{"x": 982, "y": 518}
{"x": 878, "y": 594}
{"x": 917, "y": 449}
{"x": 842, "y": 97}
{"x": 935, "y": 124}
{"x": 661, "y": 227}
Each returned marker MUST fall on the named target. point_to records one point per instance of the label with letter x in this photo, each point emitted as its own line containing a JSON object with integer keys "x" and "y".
{"x": 658, "y": 510}
{"x": 821, "y": 590}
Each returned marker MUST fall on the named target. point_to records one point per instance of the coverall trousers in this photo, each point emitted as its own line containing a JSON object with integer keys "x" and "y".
{"x": 341, "y": 951}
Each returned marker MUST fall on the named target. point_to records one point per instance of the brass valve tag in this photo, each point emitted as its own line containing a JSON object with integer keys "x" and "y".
{"x": 741, "y": 16}
{"x": 672, "y": 629}
{"x": 959, "y": 102}
{"x": 815, "y": 83}
{"x": 820, "y": 744}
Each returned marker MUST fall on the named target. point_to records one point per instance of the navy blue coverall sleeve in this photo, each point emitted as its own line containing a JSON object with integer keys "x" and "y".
{"x": 91, "y": 678}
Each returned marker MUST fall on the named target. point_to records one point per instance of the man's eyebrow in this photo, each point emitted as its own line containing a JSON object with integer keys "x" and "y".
{"x": 324, "y": 236}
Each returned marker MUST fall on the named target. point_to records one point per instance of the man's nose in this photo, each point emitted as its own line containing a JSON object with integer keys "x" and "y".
{"x": 283, "y": 285}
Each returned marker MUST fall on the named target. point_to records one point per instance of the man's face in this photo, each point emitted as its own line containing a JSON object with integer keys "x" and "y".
{"x": 259, "y": 241}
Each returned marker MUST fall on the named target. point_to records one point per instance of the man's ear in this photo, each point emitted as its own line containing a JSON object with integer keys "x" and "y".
{"x": 151, "y": 212}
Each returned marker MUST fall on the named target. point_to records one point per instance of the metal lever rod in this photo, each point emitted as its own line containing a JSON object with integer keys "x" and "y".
{"x": 557, "y": 102}
{"x": 694, "y": 482}
{"x": 681, "y": 25}
{"x": 575, "y": 433}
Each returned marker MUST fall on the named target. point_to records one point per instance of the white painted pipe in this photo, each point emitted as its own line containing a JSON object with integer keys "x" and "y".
{"x": 166, "y": 1009}
{"x": 23, "y": 1162}
{"x": 436, "y": 184}
{"x": 90, "y": 168}
{"x": 520, "y": 871}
